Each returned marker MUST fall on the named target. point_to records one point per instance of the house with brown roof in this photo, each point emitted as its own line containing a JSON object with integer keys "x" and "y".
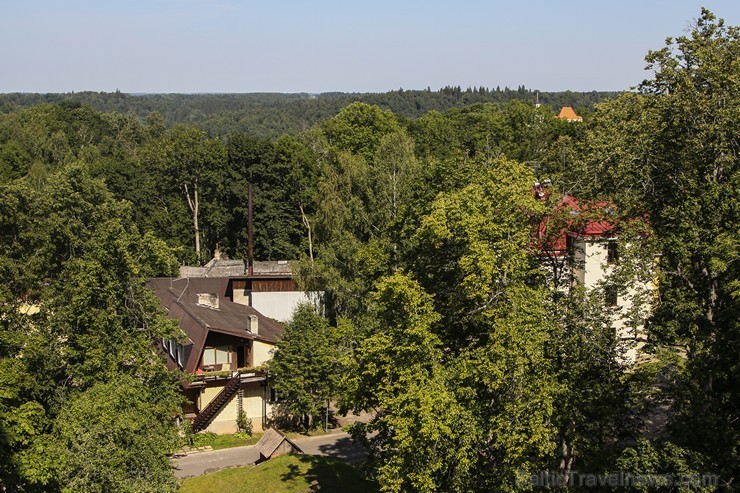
{"x": 224, "y": 344}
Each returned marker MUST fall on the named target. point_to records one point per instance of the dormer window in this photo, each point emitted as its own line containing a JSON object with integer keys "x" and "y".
{"x": 180, "y": 360}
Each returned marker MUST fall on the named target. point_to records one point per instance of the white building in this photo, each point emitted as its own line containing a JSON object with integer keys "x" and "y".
{"x": 581, "y": 246}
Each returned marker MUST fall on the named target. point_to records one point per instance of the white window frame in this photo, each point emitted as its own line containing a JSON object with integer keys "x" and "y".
{"x": 217, "y": 351}
{"x": 179, "y": 352}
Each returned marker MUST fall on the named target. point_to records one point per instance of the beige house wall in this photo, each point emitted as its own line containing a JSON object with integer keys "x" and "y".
{"x": 225, "y": 421}
{"x": 241, "y": 296}
{"x": 207, "y": 394}
{"x": 252, "y": 403}
{"x": 591, "y": 270}
{"x": 253, "y": 395}
{"x": 261, "y": 352}
{"x": 595, "y": 258}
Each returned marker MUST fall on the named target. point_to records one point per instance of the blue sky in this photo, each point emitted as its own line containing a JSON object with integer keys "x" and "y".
{"x": 327, "y": 45}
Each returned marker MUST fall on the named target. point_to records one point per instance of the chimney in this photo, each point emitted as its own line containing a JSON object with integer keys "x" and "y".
{"x": 209, "y": 300}
{"x": 217, "y": 253}
{"x": 250, "y": 259}
{"x": 254, "y": 325}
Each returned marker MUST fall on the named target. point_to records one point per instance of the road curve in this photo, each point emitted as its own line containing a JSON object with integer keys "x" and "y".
{"x": 339, "y": 445}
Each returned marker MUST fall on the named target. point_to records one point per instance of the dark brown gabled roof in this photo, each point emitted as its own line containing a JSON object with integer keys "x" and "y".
{"x": 179, "y": 297}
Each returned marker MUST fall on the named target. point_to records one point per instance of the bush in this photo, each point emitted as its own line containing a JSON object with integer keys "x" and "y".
{"x": 192, "y": 439}
{"x": 203, "y": 438}
{"x": 243, "y": 424}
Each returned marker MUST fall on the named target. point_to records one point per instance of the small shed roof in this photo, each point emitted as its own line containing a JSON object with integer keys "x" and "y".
{"x": 272, "y": 440}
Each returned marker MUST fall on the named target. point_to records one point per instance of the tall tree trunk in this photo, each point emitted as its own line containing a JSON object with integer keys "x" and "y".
{"x": 394, "y": 200}
{"x": 308, "y": 227}
{"x": 567, "y": 453}
{"x": 193, "y": 204}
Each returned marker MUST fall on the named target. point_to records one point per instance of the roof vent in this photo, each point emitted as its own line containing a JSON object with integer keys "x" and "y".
{"x": 209, "y": 300}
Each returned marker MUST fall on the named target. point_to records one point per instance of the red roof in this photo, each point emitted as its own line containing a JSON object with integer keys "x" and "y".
{"x": 595, "y": 213}
{"x": 573, "y": 218}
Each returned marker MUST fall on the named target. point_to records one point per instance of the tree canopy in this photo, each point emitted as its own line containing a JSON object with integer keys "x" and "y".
{"x": 478, "y": 355}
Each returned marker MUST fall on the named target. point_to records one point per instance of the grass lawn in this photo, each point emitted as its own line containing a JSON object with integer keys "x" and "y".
{"x": 284, "y": 474}
{"x": 228, "y": 441}
{"x": 299, "y": 434}
{"x": 225, "y": 441}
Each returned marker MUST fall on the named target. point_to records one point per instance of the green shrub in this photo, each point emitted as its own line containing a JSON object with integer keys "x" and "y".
{"x": 203, "y": 438}
{"x": 243, "y": 424}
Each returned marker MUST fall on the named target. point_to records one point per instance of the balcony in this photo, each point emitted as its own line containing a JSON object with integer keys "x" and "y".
{"x": 247, "y": 374}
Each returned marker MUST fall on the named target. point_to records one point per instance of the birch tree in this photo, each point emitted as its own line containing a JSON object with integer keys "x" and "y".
{"x": 191, "y": 159}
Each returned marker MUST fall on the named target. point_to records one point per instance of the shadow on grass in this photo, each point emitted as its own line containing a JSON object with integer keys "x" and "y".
{"x": 333, "y": 475}
{"x": 293, "y": 473}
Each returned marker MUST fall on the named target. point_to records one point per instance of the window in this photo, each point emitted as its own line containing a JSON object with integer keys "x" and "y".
{"x": 180, "y": 355}
{"x": 611, "y": 295}
{"x": 612, "y": 254}
{"x": 217, "y": 355}
{"x": 274, "y": 395}
{"x": 172, "y": 346}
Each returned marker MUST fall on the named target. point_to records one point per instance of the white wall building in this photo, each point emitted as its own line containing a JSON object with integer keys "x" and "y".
{"x": 583, "y": 248}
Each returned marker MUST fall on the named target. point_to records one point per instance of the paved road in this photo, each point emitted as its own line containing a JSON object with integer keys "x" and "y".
{"x": 202, "y": 462}
{"x": 338, "y": 445}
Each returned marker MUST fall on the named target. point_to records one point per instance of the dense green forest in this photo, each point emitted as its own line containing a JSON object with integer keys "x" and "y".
{"x": 265, "y": 115}
{"x": 417, "y": 222}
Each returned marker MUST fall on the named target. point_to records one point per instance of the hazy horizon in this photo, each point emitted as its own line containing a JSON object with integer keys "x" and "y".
{"x": 231, "y": 47}
{"x": 297, "y": 93}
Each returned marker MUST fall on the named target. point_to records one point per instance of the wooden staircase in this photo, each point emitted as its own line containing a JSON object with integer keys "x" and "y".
{"x": 204, "y": 417}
